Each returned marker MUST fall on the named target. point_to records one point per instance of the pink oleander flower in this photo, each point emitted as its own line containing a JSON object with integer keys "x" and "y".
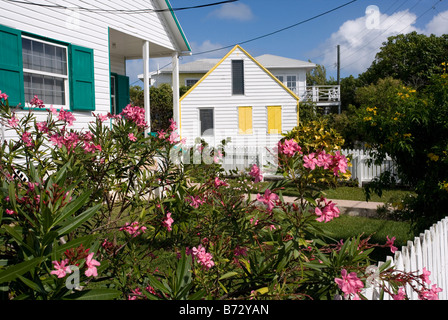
{"x": 195, "y": 202}
{"x": 88, "y": 136}
{"x": 255, "y": 172}
{"x": 349, "y": 283}
{"x": 136, "y": 292}
{"x": 91, "y": 266}
{"x": 240, "y": 251}
{"x": 37, "y": 102}
{"x": 401, "y": 295}
{"x": 390, "y": 243}
{"x": 133, "y": 229}
{"x": 57, "y": 140}
{"x": 328, "y": 212}
{"x": 135, "y": 114}
{"x": 42, "y": 126}
{"x": 289, "y": 147}
{"x": 61, "y": 268}
{"x": 218, "y": 183}
{"x": 66, "y": 116}
{"x": 340, "y": 163}
{"x": 26, "y": 138}
{"x": 432, "y": 294}
{"x": 173, "y": 125}
{"x": 91, "y": 147}
{"x": 53, "y": 110}
{"x": 173, "y": 138}
{"x": 132, "y": 137}
{"x": 268, "y": 199}
{"x": 101, "y": 117}
{"x": 3, "y": 95}
{"x": 324, "y": 160}
{"x": 10, "y": 212}
{"x": 309, "y": 161}
{"x": 425, "y": 276}
{"x": 204, "y": 258}
{"x": 161, "y": 134}
{"x": 168, "y": 221}
{"x": 13, "y": 122}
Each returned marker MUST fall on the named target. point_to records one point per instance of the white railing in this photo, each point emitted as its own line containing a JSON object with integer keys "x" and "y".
{"x": 363, "y": 170}
{"x": 323, "y": 93}
{"x": 429, "y": 251}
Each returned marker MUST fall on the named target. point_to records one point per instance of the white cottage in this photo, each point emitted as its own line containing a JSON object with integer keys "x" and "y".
{"x": 72, "y": 54}
{"x": 238, "y": 99}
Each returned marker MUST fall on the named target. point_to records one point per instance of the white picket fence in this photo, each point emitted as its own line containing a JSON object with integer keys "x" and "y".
{"x": 430, "y": 251}
{"x": 364, "y": 171}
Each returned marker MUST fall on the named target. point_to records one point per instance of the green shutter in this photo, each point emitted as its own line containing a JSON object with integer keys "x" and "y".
{"x": 82, "y": 85}
{"x": 122, "y": 92}
{"x": 11, "y": 65}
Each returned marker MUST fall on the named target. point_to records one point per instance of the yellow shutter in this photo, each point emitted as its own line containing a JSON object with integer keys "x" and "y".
{"x": 274, "y": 120}
{"x": 245, "y": 120}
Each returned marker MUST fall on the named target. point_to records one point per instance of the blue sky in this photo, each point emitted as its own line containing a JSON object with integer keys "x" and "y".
{"x": 358, "y": 28}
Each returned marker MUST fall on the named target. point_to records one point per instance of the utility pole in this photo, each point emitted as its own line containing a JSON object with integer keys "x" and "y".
{"x": 339, "y": 64}
{"x": 339, "y": 77}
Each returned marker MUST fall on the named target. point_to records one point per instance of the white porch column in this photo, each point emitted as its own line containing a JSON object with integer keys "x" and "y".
{"x": 175, "y": 86}
{"x": 146, "y": 84}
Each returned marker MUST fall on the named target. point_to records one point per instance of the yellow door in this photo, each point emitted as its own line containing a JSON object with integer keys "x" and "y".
{"x": 274, "y": 120}
{"x": 245, "y": 120}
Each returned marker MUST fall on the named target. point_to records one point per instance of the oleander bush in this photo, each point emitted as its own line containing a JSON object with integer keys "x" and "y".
{"x": 110, "y": 213}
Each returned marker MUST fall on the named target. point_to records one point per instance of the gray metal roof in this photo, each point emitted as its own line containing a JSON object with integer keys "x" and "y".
{"x": 266, "y": 60}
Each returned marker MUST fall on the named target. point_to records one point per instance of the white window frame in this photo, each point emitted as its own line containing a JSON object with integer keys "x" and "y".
{"x": 56, "y": 75}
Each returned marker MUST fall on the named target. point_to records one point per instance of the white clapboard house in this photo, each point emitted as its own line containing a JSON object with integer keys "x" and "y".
{"x": 72, "y": 54}
{"x": 238, "y": 99}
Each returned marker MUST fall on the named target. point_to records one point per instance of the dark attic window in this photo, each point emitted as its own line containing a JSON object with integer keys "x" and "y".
{"x": 237, "y": 77}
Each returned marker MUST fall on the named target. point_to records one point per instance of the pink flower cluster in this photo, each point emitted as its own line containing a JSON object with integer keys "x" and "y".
{"x": 428, "y": 294}
{"x": 3, "y": 95}
{"x": 168, "y": 221}
{"x": 203, "y": 257}
{"x": 269, "y": 198}
{"x": 135, "y": 114}
{"x": 255, "y": 172}
{"x": 288, "y": 147}
{"x": 195, "y": 201}
{"x": 62, "y": 268}
{"x": 337, "y": 162}
{"x": 350, "y": 284}
{"x": 134, "y": 229}
{"x": 328, "y": 212}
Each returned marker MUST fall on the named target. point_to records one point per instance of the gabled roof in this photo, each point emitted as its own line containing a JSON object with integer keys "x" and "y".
{"x": 271, "y": 61}
{"x": 254, "y": 60}
{"x": 267, "y": 60}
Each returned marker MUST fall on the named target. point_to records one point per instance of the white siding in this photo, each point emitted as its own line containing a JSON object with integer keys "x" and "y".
{"x": 91, "y": 31}
{"x": 215, "y": 91}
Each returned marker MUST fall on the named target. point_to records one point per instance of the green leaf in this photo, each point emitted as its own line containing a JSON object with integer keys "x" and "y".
{"x": 72, "y": 224}
{"x": 14, "y": 271}
{"x": 94, "y": 294}
{"x": 74, "y": 206}
{"x": 228, "y": 275}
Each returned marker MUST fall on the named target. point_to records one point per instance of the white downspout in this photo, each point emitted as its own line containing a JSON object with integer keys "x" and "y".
{"x": 146, "y": 88}
{"x": 175, "y": 86}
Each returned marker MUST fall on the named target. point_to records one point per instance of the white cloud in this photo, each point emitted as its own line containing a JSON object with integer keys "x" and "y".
{"x": 205, "y": 47}
{"x": 360, "y": 40}
{"x": 438, "y": 25}
{"x": 234, "y": 11}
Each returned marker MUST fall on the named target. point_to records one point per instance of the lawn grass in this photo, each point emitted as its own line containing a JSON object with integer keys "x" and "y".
{"x": 346, "y": 227}
{"x": 357, "y": 194}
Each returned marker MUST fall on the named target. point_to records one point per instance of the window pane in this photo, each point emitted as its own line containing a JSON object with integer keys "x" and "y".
{"x": 45, "y": 57}
{"x": 291, "y": 82}
{"x": 51, "y": 90}
{"x": 206, "y": 118}
{"x": 237, "y": 76}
